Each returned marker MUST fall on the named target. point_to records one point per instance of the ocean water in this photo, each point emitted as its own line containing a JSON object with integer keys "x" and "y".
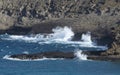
{"x": 60, "y": 40}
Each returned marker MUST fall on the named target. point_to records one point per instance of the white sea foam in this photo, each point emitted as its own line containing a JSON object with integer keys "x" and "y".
{"x": 80, "y": 55}
{"x": 7, "y": 57}
{"x": 26, "y": 52}
{"x": 86, "y": 37}
{"x": 59, "y": 35}
{"x": 62, "y": 34}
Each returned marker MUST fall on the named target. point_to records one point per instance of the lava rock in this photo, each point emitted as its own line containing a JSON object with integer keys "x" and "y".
{"x": 66, "y": 55}
{"x": 91, "y": 55}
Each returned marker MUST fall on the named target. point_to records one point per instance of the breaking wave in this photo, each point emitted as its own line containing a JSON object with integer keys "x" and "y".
{"x": 80, "y": 55}
{"x": 60, "y": 35}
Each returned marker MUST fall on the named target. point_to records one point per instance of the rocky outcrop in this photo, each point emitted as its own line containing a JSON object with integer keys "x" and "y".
{"x": 101, "y": 55}
{"x": 114, "y": 48}
{"x": 66, "y": 55}
{"x": 91, "y": 55}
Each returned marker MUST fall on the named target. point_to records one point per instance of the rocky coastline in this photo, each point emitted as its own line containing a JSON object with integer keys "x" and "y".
{"x": 100, "y": 17}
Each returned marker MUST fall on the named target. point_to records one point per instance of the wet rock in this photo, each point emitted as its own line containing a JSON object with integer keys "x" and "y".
{"x": 66, "y": 55}
{"x": 104, "y": 58}
{"x": 91, "y": 55}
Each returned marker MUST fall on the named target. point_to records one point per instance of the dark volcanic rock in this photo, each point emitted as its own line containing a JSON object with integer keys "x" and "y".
{"x": 104, "y": 58}
{"x": 68, "y": 55}
{"x": 92, "y": 55}
{"x": 95, "y": 53}
{"x": 17, "y": 30}
{"x": 99, "y": 55}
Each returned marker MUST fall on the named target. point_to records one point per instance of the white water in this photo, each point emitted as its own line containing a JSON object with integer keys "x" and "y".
{"x": 86, "y": 37}
{"x": 80, "y": 55}
{"x": 59, "y": 35}
{"x": 62, "y": 34}
{"x": 25, "y": 52}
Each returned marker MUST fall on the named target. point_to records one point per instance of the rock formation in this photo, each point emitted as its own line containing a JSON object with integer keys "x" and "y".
{"x": 100, "y": 17}
{"x": 91, "y": 55}
{"x": 66, "y": 55}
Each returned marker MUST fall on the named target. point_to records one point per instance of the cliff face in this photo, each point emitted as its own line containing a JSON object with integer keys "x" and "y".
{"x": 26, "y": 13}
{"x": 114, "y": 48}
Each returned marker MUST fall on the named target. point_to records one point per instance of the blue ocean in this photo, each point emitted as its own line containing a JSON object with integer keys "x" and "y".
{"x": 59, "y": 40}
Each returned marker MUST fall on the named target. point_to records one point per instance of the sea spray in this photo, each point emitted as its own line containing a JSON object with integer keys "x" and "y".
{"x": 25, "y": 52}
{"x": 80, "y": 55}
{"x": 59, "y": 34}
{"x": 86, "y": 37}
{"x": 62, "y": 34}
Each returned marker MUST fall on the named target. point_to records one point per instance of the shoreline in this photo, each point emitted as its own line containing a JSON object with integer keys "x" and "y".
{"x": 90, "y": 55}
